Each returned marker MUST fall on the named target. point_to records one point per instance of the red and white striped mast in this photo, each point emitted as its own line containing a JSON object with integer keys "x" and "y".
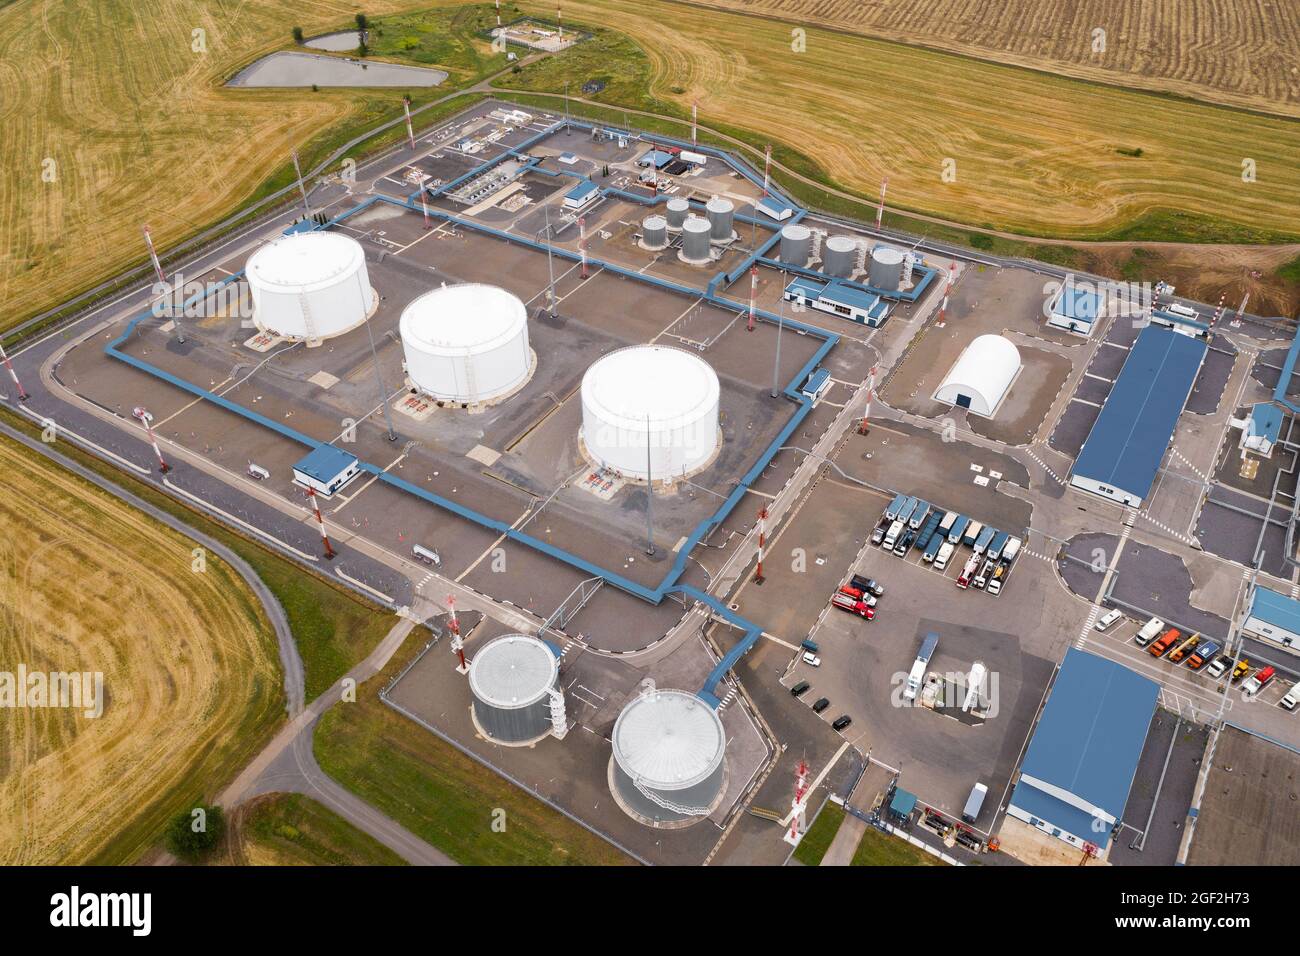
{"x": 320, "y": 521}
{"x": 498, "y": 14}
{"x": 153, "y": 255}
{"x": 457, "y": 644}
{"x": 865, "y": 425}
{"x": 1218, "y": 313}
{"x": 799, "y": 805}
{"x": 880, "y": 209}
{"x": 753, "y": 294}
{"x": 947, "y": 290}
{"x": 146, "y": 419}
{"x": 559, "y": 19}
{"x": 582, "y": 242}
{"x": 695, "y": 121}
{"x": 762, "y": 544}
{"x": 767, "y": 169}
{"x": 410, "y": 130}
{"x": 22, "y": 393}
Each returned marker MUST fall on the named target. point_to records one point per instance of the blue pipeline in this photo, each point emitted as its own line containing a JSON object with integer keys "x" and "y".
{"x": 1284, "y": 378}
{"x": 912, "y": 295}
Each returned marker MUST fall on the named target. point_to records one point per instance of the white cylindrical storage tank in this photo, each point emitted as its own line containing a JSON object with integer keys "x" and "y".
{"x": 310, "y": 285}
{"x": 654, "y": 232}
{"x": 886, "y": 268}
{"x": 512, "y": 680}
{"x": 668, "y": 767}
{"x": 677, "y": 208}
{"x": 655, "y": 402}
{"x": 720, "y": 212}
{"x": 796, "y": 244}
{"x": 695, "y": 240}
{"x": 839, "y": 255}
{"x": 467, "y": 343}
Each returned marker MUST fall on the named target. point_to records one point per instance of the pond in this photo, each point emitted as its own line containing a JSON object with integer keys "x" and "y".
{"x": 289, "y": 69}
{"x": 344, "y": 41}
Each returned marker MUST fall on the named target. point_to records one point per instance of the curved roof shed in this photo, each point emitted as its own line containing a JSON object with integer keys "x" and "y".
{"x": 981, "y": 376}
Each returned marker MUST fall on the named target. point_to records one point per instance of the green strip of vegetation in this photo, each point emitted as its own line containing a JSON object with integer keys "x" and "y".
{"x": 881, "y": 849}
{"x": 442, "y": 796}
{"x": 333, "y": 628}
{"x": 818, "y": 839}
{"x": 289, "y": 829}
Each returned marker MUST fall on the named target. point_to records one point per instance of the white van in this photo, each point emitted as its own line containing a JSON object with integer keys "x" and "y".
{"x": 1292, "y": 698}
{"x": 258, "y": 472}
{"x": 1010, "y": 550}
{"x": 974, "y": 802}
{"x": 1109, "y": 618}
{"x": 427, "y": 555}
{"x": 891, "y": 536}
{"x": 811, "y": 659}
{"x": 1149, "y": 631}
{"x": 945, "y": 552}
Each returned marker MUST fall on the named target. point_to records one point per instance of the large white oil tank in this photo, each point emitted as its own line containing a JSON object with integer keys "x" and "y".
{"x": 514, "y": 682}
{"x": 676, "y": 210}
{"x": 467, "y": 343}
{"x": 310, "y": 286}
{"x": 796, "y": 244}
{"x": 695, "y": 241}
{"x": 886, "y": 270}
{"x": 720, "y": 212}
{"x": 650, "y": 402}
{"x": 668, "y": 767}
{"x": 839, "y": 255}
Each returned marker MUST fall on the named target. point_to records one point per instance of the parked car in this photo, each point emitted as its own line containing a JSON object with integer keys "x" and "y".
{"x": 878, "y": 535}
{"x": 1240, "y": 671}
{"x": 867, "y": 584}
{"x": 1203, "y": 652}
{"x": 1292, "y": 698}
{"x": 904, "y": 544}
{"x": 1105, "y": 622}
{"x": 1263, "y": 677}
{"x": 852, "y": 605}
{"x": 1216, "y": 669}
{"x": 1165, "y": 641}
{"x": 809, "y": 645}
{"x": 866, "y": 598}
{"x": 1148, "y": 632}
{"x": 811, "y": 659}
{"x": 822, "y": 704}
{"x": 799, "y": 689}
{"x": 842, "y": 722}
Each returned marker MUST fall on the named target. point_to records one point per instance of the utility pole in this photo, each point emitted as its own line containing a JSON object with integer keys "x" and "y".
{"x": 410, "y": 130}
{"x": 301, "y": 187}
{"x": 550, "y": 264}
{"x": 880, "y": 210}
{"x": 146, "y": 419}
{"x": 379, "y": 378}
{"x": 780, "y": 327}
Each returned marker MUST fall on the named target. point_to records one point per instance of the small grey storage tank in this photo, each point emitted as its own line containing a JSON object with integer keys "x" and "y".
{"x": 677, "y": 209}
{"x": 668, "y": 767}
{"x": 654, "y": 232}
{"x": 695, "y": 240}
{"x": 886, "y": 268}
{"x": 839, "y": 254}
{"x": 796, "y": 244}
{"x": 514, "y": 681}
{"x": 720, "y": 212}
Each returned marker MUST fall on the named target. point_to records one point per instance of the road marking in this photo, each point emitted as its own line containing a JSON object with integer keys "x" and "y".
{"x": 1042, "y": 464}
{"x": 239, "y": 521}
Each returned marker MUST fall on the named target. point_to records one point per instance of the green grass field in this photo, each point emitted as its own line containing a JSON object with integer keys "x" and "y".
{"x": 881, "y": 849}
{"x": 288, "y": 829}
{"x": 818, "y": 839}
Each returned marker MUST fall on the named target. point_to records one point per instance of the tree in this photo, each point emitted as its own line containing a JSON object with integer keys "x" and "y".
{"x": 362, "y": 22}
{"x": 297, "y": 35}
{"x": 194, "y": 833}
{"x": 362, "y": 49}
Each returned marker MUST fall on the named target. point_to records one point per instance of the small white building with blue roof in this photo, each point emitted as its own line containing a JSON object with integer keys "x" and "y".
{"x": 326, "y": 470}
{"x": 1077, "y": 773}
{"x": 1274, "y": 617}
{"x": 1075, "y": 308}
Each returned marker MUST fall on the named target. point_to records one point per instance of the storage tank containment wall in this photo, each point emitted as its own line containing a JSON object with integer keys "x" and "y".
{"x": 720, "y": 212}
{"x": 511, "y": 679}
{"x": 654, "y": 232}
{"x": 886, "y": 268}
{"x": 466, "y": 343}
{"x": 668, "y": 765}
{"x": 695, "y": 239}
{"x": 677, "y": 208}
{"x": 311, "y": 285}
{"x": 839, "y": 254}
{"x": 796, "y": 244}
{"x": 655, "y": 399}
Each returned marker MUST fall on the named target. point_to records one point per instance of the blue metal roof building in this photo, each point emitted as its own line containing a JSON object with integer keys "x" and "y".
{"x": 839, "y": 298}
{"x": 1274, "y": 617}
{"x": 1121, "y": 458}
{"x": 775, "y": 208}
{"x": 1263, "y": 429}
{"x": 1076, "y": 309}
{"x": 327, "y": 469}
{"x": 655, "y": 157}
{"x": 581, "y": 194}
{"x": 1079, "y": 768}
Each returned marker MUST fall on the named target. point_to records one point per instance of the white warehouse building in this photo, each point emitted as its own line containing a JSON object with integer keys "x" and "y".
{"x": 310, "y": 286}
{"x": 467, "y": 344}
{"x": 981, "y": 377}
{"x": 650, "y": 405}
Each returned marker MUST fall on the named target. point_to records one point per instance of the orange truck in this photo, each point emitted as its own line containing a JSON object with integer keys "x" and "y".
{"x": 1164, "y": 642}
{"x": 1183, "y": 649}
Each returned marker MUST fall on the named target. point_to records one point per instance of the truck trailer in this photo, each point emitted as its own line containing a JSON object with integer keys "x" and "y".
{"x": 917, "y": 674}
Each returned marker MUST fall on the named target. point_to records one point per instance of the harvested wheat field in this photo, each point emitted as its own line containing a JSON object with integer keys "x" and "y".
{"x": 1025, "y": 152}
{"x": 112, "y": 118}
{"x": 191, "y": 677}
{"x": 1243, "y": 53}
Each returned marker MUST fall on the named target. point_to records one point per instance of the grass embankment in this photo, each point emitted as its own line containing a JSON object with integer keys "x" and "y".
{"x": 191, "y": 680}
{"x": 818, "y": 839}
{"x": 439, "y": 794}
{"x": 881, "y": 849}
{"x": 289, "y": 829}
